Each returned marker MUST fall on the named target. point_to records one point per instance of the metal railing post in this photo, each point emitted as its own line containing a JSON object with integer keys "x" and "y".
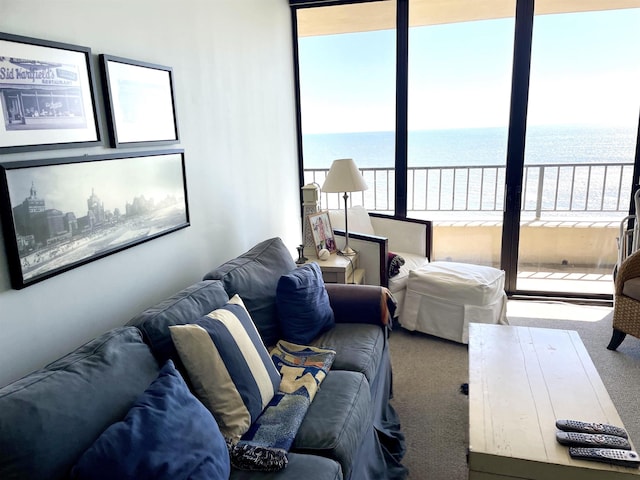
{"x": 540, "y": 190}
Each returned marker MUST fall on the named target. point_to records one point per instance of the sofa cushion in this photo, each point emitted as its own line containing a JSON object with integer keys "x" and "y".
{"x": 254, "y": 276}
{"x": 228, "y": 365}
{"x": 303, "y": 305}
{"x": 186, "y": 306}
{"x": 50, "y": 417}
{"x": 337, "y": 419}
{"x": 167, "y": 434}
{"x": 300, "y": 466}
{"x": 358, "y": 347}
{"x": 631, "y": 288}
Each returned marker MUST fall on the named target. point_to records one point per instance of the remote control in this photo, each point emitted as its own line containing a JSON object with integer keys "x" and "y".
{"x": 587, "y": 427}
{"x": 624, "y": 458}
{"x": 592, "y": 440}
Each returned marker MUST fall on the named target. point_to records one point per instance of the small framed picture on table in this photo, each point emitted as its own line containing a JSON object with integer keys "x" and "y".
{"x": 322, "y": 232}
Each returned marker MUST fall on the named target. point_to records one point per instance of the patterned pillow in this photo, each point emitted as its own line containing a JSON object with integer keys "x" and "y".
{"x": 394, "y": 262}
{"x": 229, "y": 367}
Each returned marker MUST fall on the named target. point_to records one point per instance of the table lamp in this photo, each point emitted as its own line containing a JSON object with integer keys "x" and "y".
{"x": 344, "y": 176}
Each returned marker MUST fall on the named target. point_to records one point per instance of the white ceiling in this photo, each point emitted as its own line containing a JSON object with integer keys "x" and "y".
{"x": 362, "y": 17}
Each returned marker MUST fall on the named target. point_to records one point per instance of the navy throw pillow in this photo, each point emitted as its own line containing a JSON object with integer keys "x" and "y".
{"x": 167, "y": 434}
{"x": 303, "y": 305}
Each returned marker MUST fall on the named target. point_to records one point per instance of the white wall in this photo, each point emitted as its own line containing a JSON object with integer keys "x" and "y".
{"x": 234, "y": 92}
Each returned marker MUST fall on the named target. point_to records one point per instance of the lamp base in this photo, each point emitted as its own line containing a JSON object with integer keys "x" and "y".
{"x": 347, "y": 251}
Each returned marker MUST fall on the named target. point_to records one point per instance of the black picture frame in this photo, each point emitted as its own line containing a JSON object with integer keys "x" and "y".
{"x": 141, "y": 107}
{"x": 59, "y": 214}
{"x": 47, "y": 95}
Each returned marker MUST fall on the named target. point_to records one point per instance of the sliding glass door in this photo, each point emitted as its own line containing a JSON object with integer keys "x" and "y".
{"x": 458, "y": 118}
{"x": 347, "y": 68}
{"x": 582, "y": 125}
{"x": 513, "y": 129}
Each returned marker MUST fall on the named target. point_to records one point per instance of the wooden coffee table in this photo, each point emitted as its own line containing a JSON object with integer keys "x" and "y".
{"x": 521, "y": 380}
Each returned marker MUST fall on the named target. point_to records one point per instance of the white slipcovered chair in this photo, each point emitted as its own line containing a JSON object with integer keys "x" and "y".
{"x": 374, "y": 236}
{"x": 442, "y": 298}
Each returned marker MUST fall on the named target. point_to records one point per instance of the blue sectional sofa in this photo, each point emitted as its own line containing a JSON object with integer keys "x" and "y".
{"x": 52, "y": 420}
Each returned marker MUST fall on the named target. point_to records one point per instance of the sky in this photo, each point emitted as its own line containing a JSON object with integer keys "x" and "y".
{"x": 116, "y": 182}
{"x": 585, "y": 70}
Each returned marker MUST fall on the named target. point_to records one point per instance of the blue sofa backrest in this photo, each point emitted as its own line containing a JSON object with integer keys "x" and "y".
{"x": 254, "y": 276}
{"x": 51, "y": 416}
{"x": 186, "y": 306}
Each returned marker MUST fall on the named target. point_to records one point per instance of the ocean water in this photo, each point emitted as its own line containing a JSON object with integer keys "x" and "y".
{"x": 475, "y": 146}
{"x": 592, "y": 191}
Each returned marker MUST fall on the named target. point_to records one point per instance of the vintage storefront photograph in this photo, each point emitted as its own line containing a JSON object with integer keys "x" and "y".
{"x": 46, "y": 95}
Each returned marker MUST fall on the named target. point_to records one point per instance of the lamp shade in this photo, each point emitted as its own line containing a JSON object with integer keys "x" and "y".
{"x": 344, "y": 176}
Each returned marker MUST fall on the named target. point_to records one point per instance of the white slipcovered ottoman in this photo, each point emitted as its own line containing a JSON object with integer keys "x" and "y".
{"x": 442, "y": 298}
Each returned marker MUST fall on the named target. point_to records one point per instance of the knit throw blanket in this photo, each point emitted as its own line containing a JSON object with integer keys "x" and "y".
{"x": 266, "y": 445}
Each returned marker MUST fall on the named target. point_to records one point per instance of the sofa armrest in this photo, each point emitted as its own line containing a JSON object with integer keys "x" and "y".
{"x": 361, "y": 304}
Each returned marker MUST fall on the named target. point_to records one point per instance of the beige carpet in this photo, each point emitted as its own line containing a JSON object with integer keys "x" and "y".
{"x": 428, "y": 372}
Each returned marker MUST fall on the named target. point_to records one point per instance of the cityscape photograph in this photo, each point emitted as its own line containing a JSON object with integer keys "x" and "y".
{"x": 72, "y": 213}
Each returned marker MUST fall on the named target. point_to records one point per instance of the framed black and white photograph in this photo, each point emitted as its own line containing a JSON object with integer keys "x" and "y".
{"x": 322, "y": 232}
{"x": 47, "y": 95}
{"x": 62, "y": 213}
{"x": 140, "y": 102}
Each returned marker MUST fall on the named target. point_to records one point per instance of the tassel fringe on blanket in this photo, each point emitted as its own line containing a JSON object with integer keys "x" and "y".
{"x": 266, "y": 445}
{"x": 251, "y": 457}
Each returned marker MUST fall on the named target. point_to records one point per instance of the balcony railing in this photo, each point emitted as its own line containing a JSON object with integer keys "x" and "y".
{"x": 593, "y": 190}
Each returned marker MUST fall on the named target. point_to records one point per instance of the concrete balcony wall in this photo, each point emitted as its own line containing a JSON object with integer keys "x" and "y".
{"x": 580, "y": 244}
{"x": 467, "y": 242}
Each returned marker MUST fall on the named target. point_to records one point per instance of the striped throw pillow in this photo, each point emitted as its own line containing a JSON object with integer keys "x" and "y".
{"x": 229, "y": 367}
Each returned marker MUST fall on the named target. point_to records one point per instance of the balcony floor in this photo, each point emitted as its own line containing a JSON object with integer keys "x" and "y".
{"x": 555, "y": 310}
{"x": 570, "y": 280}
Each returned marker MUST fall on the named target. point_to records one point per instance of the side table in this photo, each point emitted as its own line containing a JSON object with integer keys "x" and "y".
{"x": 340, "y": 269}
